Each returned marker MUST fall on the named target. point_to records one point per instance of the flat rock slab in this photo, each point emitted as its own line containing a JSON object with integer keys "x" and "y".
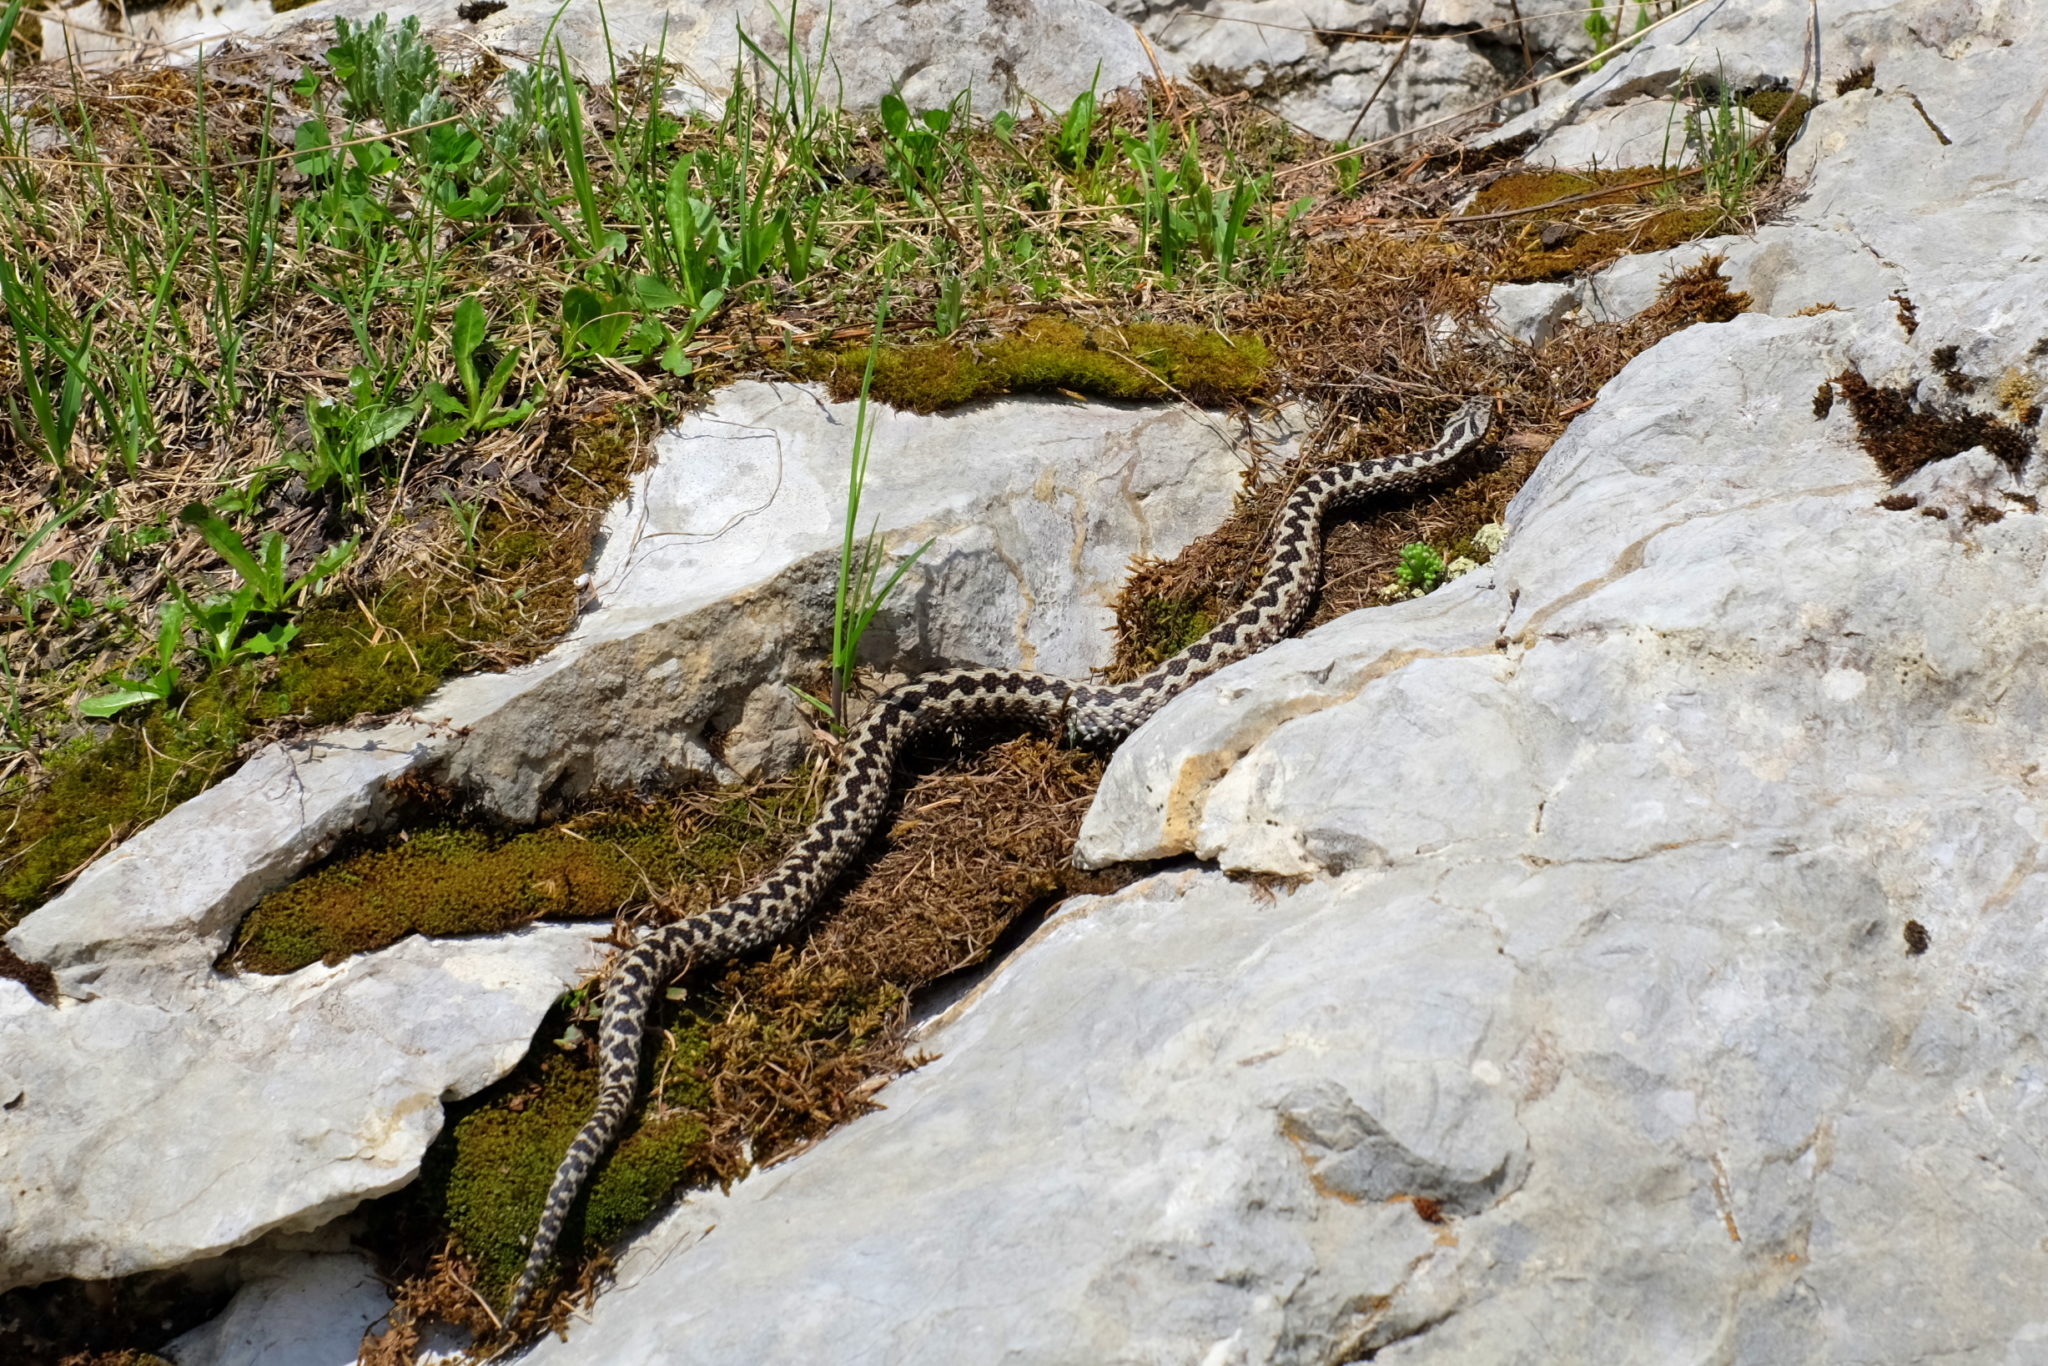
{"x": 166, "y": 1112}
{"x": 714, "y": 587}
{"x": 1086, "y": 1130}
{"x": 139, "y": 1137}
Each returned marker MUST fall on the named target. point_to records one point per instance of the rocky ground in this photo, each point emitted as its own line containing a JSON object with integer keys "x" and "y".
{"x": 1628, "y": 951}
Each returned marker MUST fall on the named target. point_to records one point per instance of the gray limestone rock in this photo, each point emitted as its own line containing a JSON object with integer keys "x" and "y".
{"x": 148, "y": 1133}
{"x": 1007, "y": 52}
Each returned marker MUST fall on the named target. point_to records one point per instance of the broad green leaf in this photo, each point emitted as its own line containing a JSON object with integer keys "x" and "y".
{"x": 225, "y": 541}
{"x": 109, "y": 703}
{"x": 313, "y": 146}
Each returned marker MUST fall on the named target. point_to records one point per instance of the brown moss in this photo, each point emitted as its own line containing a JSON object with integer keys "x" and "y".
{"x": 1532, "y": 189}
{"x": 1784, "y": 111}
{"x": 1611, "y": 214}
{"x": 1859, "y": 79}
{"x": 1909, "y": 314}
{"x": 1902, "y": 435}
{"x": 1591, "y": 250}
{"x": 1054, "y": 355}
{"x": 1697, "y": 293}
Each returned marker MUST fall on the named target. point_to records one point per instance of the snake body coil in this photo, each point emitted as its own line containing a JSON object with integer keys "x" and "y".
{"x": 1087, "y": 713}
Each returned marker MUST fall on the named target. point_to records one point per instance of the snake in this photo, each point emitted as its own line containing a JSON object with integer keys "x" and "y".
{"x": 1095, "y": 715}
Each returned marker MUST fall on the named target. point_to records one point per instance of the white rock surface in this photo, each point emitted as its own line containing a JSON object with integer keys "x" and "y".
{"x": 305, "y": 1310}
{"x": 1007, "y": 52}
{"x": 1607, "y": 854}
{"x": 148, "y": 1134}
{"x": 1317, "y": 62}
{"x": 715, "y": 585}
{"x": 319, "y": 1090}
{"x": 1532, "y": 313}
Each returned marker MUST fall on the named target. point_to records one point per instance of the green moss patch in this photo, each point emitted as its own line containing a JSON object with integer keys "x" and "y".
{"x": 1053, "y": 355}
{"x": 1152, "y": 630}
{"x": 448, "y": 878}
{"x": 94, "y": 793}
{"x": 1787, "y": 107}
{"x": 494, "y": 1169}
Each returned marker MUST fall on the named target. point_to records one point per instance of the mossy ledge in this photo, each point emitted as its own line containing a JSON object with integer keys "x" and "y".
{"x": 445, "y": 876}
{"x": 1135, "y": 361}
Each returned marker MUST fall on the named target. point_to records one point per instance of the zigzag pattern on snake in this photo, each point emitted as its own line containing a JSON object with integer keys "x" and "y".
{"x": 1087, "y": 713}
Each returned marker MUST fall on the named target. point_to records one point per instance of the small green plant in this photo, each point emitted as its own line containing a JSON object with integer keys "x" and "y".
{"x": 220, "y": 622}
{"x": 1420, "y": 570}
{"x": 160, "y": 684}
{"x": 263, "y": 571}
{"x": 345, "y": 211}
{"x": 476, "y": 409}
{"x": 346, "y": 431}
{"x": 1073, "y": 143}
{"x": 467, "y": 514}
{"x": 1349, "y": 169}
{"x": 1603, "y": 30}
{"x": 629, "y": 325}
{"x": 1733, "y": 155}
{"x": 55, "y": 371}
{"x": 60, "y": 590}
{"x": 914, "y": 149}
{"x": 855, "y": 598}
{"x": 390, "y": 74}
{"x": 951, "y": 309}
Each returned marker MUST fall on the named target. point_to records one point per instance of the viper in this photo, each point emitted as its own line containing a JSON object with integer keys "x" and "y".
{"x": 1088, "y": 714}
